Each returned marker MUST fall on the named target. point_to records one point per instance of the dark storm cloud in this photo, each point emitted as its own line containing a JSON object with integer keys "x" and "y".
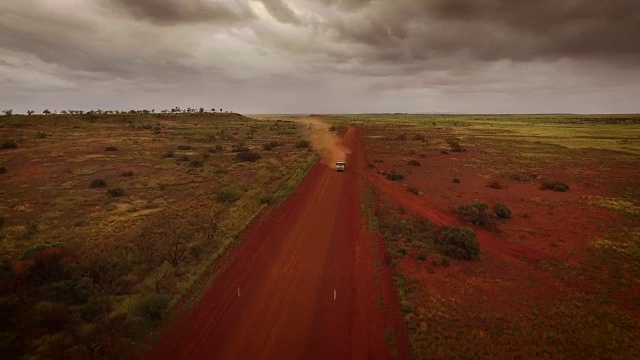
{"x": 186, "y": 11}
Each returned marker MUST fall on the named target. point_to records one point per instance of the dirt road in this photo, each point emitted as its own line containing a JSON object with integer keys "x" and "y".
{"x": 301, "y": 285}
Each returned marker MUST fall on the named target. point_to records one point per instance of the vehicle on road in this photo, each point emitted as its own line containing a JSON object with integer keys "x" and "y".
{"x": 340, "y": 165}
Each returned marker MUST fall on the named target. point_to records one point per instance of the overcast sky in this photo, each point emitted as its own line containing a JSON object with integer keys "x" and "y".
{"x": 322, "y": 56}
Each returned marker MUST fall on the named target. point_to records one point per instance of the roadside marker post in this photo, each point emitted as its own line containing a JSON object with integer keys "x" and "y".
{"x": 334, "y": 294}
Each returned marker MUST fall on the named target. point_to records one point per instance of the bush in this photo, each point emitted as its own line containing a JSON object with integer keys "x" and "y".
{"x": 248, "y": 156}
{"x": 302, "y": 144}
{"x": 3, "y": 169}
{"x": 555, "y": 186}
{"x": 111, "y": 148}
{"x": 195, "y": 250}
{"x": 444, "y": 152}
{"x": 459, "y": 243}
{"x": 42, "y": 135}
{"x": 127, "y": 174}
{"x": 495, "y": 185}
{"x": 151, "y": 307}
{"x": 270, "y": 145}
{"x": 477, "y": 214}
{"x": 413, "y": 190}
{"x": 184, "y": 147}
{"x": 445, "y": 262}
{"x": 98, "y": 183}
{"x": 196, "y": 163}
{"x": 115, "y": 192}
{"x": 9, "y": 144}
{"x": 395, "y": 176}
{"x": 456, "y": 180}
{"x": 240, "y": 149}
{"x": 422, "y": 255}
{"x": 168, "y": 154}
{"x": 413, "y": 162}
{"x": 228, "y": 195}
{"x": 267, "y": 199}
{"x": 419, "y": 137}
{"x": 454, "y": 144}
{"x": 184, "y": 158}
{"x": 502, "y": 211}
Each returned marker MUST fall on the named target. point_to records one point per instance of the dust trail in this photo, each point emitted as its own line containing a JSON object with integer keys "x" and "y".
{"x": 325, "y": 142}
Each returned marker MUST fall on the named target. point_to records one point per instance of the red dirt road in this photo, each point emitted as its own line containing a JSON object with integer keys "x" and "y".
{"x": 287, "y": 270}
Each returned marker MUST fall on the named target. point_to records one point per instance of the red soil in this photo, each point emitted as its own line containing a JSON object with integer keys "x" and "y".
{"x": 287, "y": 270}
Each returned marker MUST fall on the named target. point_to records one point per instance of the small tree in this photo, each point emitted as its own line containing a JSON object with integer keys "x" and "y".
{"x": 8, "y": 112}
{"x": 30, "y": 112}
{"x": 459, "y": 243}
{"x": 46, "y": 112}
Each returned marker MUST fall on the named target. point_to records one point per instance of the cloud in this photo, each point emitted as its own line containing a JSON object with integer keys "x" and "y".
{"x": 170, "y": 12}
{"x": 281, "y": 11}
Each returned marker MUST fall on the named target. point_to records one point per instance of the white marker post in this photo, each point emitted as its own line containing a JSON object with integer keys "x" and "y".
{"x": 334, "y": 294}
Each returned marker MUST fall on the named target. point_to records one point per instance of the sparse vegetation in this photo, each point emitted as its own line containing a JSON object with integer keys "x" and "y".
{"x": 151, "y": 307}
{"x": 413, "y": 162}
{"x": 111, "y": 148}
{"x": 502, "y": 211}
{"x": 454, "y": 144}
{"x": 248, "y": 156}
{"x": 459, "y": 243}
{"x": 395, "y": 176}
{"x": 127, "y": 173}
{"x": 413, "y": 190}
{"x": 477, "y": 213}
{"x": 270, "y": 145}
{"x": 196, "y": 163}
{"x": 228, "y": 195}
{"x": 555, "y": 186}
{"x": 184, "y": 147}
{"x": 303, "y": 144}
{"x": 495, "y": 185}
{"x": 9, "y": 144}
{"x": 98, "y": 183}
{"x": 115, "y": 192}
{"x": 3, "y": 169}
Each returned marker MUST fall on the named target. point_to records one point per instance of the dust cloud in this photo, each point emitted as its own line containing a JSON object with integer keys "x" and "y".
{"x": 328, "y": 145}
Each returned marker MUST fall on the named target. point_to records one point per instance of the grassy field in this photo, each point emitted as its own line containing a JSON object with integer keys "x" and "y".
{"x": 89, "y": 204}
{"x": 559, "y": 277}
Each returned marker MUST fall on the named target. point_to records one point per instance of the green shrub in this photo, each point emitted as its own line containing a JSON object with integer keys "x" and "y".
{"x": 413, "y": 162}
{"x": 495, "y": 185}
{"x": 459, "y": 243}
{"x": 127, "y": 174}
{"x": 98, "y": 183}
{"x": 248, "y": 156}
{"x": 184, "y": 147}
{"x": 395, "y": 176}
{"x": 151, "y": 307}
{"x": 302, "y": 144}
{"x": 267, "y": 199}
{"x": 270, "y": 145}
{"x": 111, "y": 148}
{"x": 476, "y": 213}
{"x": 115, "y": 192}
{"x": 454, "y": 144}
{"x": 3, "y": 169}
{"x": 228, "y": 195}
{"x": 555, "y": 186}
{"x": 9, "y": 144}
{"x": 196, "y": 163}
{"x": 502, "y": 211}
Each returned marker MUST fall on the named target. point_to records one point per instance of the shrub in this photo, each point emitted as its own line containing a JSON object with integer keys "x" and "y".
{"x": 168, "y": 154}
{"x": 444, "y": 152}
{"x": 248, "y": 156}
{"x": 115, "y": 192}
{"x": 456, "y": 180}
{"x": 555, "y": 186}
{"x": 195, "y": 250}
{"x": 42, "y": 135}
{"x": 228, "y": 195}
{"x": 477, "y": 214}
{"x": 184, "y": 158}
{"x": 270, "y": 145}
{"x": 3, "y": 169}
{"x": 184, "y": 147}
{"x": 196, "y": 163}
{"x": 445, "y": 262}
{"x": 454, "y": 144}
{"x": 413, "y": 162}
{"x": 9, "y": 144}
{"x": 459, "y": 243}
{"x": 151, "y": 307}
{"x": 414, "y": 190}
{"x": 395, "y": 176}
{"x": 422, "y": 255}
{"x": 502, "y": 211}
{"x": 419, "y": 137}
{"x": 111, "y": 148}
{"x": 495, "y": 185}
{"x": 267, "y": 199}
{"x": 302, "y": 144}
{"x": 98, "y": 183}
{"x": 127, "y": 174}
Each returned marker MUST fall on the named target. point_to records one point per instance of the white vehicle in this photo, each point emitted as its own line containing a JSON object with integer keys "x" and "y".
{"x": 340, "y": 165}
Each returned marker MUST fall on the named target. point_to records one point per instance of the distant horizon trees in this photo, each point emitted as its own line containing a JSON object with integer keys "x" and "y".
{"x": 8, "y": 112}
{"x": 175, "y": 110}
